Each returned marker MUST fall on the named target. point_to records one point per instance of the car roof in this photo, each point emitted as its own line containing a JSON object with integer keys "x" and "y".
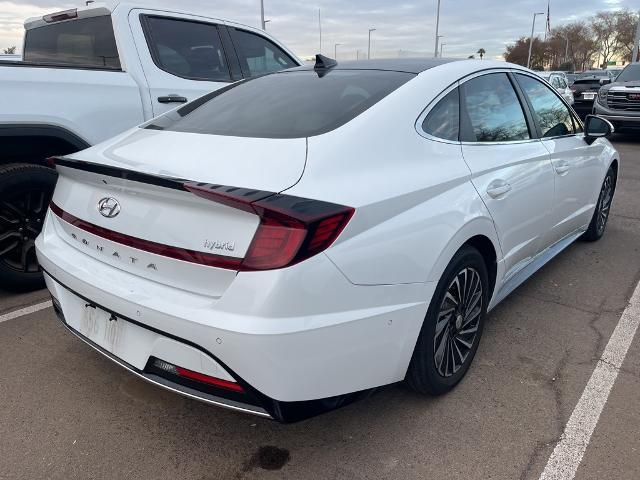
{"x": 409, "y": 65}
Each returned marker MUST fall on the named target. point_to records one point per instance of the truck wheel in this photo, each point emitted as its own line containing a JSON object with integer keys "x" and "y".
{"x": 25, "y": 193}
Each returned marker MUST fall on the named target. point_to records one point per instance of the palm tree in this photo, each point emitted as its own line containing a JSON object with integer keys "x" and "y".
{"x": 481, "y": 52}
{"x": 10, "y": 50}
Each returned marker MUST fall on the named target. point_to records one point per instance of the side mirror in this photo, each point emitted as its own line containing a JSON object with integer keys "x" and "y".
{"x": 597, "y": 127}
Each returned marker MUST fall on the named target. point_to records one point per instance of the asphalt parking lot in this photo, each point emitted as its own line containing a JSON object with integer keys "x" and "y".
{"x": 66, "y": 412}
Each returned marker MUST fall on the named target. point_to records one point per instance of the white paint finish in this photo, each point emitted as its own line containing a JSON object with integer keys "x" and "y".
{"x": 260, "y": 163}
{"x": 579, "y": 171}
{"x": 521, "y": 213}
{"x": 567, "y": 455}
{"x": 25, "y": 311}
{"x": 416, "y": 204}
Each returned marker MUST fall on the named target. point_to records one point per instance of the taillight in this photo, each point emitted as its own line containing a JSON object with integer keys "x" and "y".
{"x": 197, "y": 376}
{"x": 291, "y": 229}
{"x": 60, "y": 16}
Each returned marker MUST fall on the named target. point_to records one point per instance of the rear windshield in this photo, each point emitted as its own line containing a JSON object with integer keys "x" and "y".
{"x": 630, "y": 73}
{"x": 88, "y": 42}
{"x": 284, "y": 105}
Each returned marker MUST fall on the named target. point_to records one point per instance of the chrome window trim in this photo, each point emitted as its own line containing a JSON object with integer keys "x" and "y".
{"x": 574, "y": 115}
{"x": 427, "y": 111}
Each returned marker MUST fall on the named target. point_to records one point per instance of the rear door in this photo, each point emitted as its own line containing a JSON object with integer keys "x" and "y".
{"x": 510, "y": 167}
{"x": 183, "y": 57}
{"x": 576, "y": 164}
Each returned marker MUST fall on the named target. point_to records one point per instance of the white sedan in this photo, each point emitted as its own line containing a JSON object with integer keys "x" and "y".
{"x": 287, "y": 243}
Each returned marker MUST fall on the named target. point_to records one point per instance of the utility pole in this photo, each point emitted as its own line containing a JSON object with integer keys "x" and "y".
{"x": 369, "y": 48}
{"x": 335, "y": 51}
{"x": 533, "y": 27}
{"x": 262, "y": 15}
{"x": 566, "y": 52}
{"x": 636, "y": 45}
{"x": 320, "y": 30}
{"x": 435, "y": 53}
{"x": 441, "y": 47}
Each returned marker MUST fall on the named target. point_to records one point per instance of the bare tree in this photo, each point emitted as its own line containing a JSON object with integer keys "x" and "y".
{"x": 604, "y": 26}
{"x": 626, "y": 26}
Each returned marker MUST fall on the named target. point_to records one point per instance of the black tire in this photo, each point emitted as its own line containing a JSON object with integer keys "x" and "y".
{"x": 25, "y": 193}
{"x": 598, "y": 223}
{"x": 425, "y": 374}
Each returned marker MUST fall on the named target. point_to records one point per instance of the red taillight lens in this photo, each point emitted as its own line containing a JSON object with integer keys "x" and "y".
{"x": 291, "y": 229}
{"x": 197, "y": 376}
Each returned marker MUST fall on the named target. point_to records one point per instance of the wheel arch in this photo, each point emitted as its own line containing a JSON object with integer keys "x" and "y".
{"x": 481, "y": 234}
{"x": 33, "y": 143}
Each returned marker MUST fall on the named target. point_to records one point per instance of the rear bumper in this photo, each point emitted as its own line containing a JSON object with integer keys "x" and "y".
{"x": 299, "y": 339}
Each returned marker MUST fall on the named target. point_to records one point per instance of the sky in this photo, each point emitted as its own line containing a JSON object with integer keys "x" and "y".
{"x": 403, "y": 27}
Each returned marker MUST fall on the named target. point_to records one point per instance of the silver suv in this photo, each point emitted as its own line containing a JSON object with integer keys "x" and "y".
{"x": 619, "y": 102}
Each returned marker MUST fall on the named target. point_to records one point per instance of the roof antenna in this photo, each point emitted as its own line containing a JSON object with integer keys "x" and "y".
{"x": 324, "y": 63}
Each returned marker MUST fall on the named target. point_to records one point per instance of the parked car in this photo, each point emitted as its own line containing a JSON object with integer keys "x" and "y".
{"x": 10, "y": 57}
{"x": 571, "y": 77}
{"x": 282, "y": 257}
{"x": 560, "y": 82}
{"x": 585, "y": 88}
{"x": 619, "y": 102}
{"x": 91, "y": 73}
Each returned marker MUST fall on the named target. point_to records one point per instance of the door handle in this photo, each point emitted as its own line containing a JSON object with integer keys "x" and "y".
{"x": 562, "y": 167}
{"x": 172, "y": 99}
{"x": 498, "y": 189}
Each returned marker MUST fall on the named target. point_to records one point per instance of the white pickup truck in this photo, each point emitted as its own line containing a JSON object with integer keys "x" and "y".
{"x": 90, "y": 73}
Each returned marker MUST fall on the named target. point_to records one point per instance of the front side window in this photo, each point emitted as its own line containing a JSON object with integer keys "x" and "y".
{"x": 291, "y": 104}
{"x": 552, "y": 114}
{"x": 443, "y": 121}
{"x": 493, "y": 110}
{"x": 258, "y": 55}
{"x": 87, "y": 42}
{"x": 191, "y": 50}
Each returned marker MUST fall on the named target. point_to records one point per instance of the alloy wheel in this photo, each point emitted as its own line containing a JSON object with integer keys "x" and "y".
{"x": 458, "y": 322}
{"x": 21, "y": 217}
{"x": 604, "y": 204}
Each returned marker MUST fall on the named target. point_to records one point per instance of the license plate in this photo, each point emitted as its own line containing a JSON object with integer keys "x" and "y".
{"x": 589, "y": 96}
{"x": 101, "y": 328}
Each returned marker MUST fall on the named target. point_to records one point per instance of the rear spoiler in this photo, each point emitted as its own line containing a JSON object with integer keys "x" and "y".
{"x": 291, "y": 228}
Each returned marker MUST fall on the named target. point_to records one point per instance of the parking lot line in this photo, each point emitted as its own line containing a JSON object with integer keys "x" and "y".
{"x": 566, "y": 457}
{"x": 25, "y": 311}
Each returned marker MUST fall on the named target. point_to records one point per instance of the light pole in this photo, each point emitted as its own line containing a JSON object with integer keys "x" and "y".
{"x": 441, "y": 47}
{"x": 566, "y": 51}
{"x": 435, "y": 53}
{"x": 262, "y": 14}
{"x": 634, "y": 58}
{"x": 533, "y": 27}
{"x": 438, "y": 37}
{"x": 335, "y": 51}
{"x": 320, "y": 31}
{"x": 369, "y": 49}
{"x": 358, "y": 54}
{"x": 265, "y": 24}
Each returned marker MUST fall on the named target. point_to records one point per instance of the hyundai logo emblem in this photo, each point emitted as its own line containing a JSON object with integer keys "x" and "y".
{"x": 109, "y": 207}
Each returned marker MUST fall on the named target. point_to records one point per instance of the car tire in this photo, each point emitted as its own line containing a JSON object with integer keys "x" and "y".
{"x": 450, "y": 334}
{"x": 598, "y": 223}
{"x": 26, "y": 193}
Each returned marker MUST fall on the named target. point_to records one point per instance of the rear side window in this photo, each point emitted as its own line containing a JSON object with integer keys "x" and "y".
{"x": 292, "y": 104}
{"x": 87, "y": 42}
{"x": 443, "y": 121}
{"x": 552, "y": 114}
{"x": 493, "y": 110}
{"x": 191, "y": 50}
{"x": 258, "y": 55}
